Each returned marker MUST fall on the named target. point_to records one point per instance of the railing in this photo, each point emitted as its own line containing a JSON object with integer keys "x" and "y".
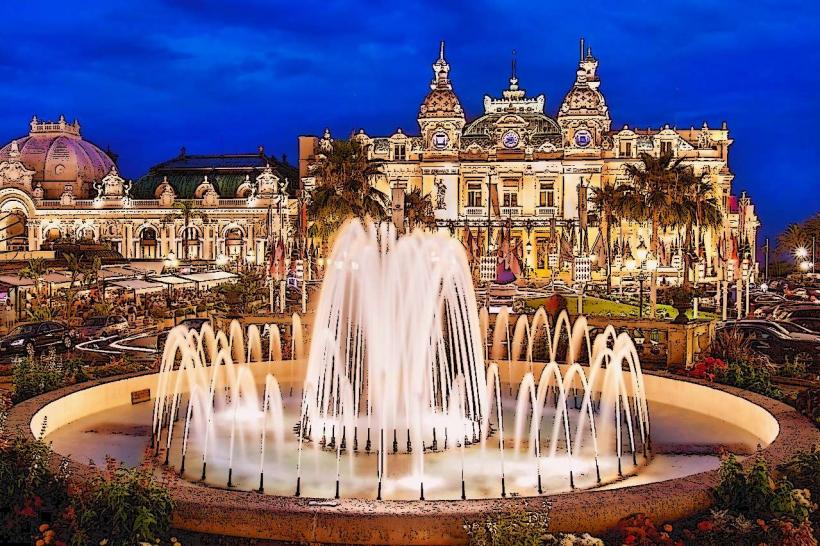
{"x": 546, "y": 211}
{"x": 135, "y": 204}
{"x": 475, "y": 211}
{"x": 510, "y": 211}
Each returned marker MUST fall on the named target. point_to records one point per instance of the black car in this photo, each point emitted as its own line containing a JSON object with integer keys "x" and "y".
{"x": 36, "y": 336}
{"x": 775, "y": 342}
{"x": 195, "y": 323}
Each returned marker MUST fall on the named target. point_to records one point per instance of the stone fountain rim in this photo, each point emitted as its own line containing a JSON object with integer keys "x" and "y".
{"x": 252, "y": 515}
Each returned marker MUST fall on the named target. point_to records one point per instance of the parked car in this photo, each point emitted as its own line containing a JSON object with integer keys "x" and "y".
{"x": 774, "y": 341}
{"x": 31, "y": 337}
{"x": 95, "y": 327}
{"x": 791, "y": 311}
{"x": 809, "y": 323}
{"x": 195, "y": 323}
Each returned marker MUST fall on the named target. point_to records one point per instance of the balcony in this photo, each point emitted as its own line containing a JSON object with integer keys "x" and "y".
{"x": 475, "y": 211}
{"x": 510, "y": 212}
{"x": 546, "y": 212}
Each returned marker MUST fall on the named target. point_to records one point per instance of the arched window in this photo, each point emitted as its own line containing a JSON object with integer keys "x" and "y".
{"x": 148, "y": 242}
{"x": 234, "y": 241}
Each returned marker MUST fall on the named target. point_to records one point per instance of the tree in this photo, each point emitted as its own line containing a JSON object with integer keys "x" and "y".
{"x": 699, "y": 209}
{"x": 344, "y": 190}
{"x": 794, "y": 236}
{"x": 608, "y": 201}
{"x": 35, "y": 269}
{"x": 186, "y": 210}
{"x": 652, "y": 196}
{"x": 418, "y": 209}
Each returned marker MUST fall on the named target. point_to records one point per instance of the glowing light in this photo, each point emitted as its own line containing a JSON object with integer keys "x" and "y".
{"x": 801, "y": 252}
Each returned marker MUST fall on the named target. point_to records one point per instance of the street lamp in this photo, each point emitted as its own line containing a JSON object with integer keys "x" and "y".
{"x": 641, "y": 252}
{"x": 221, "y": 260}
{"x": 170, "y": 261}
{"x": 801, "y": 252}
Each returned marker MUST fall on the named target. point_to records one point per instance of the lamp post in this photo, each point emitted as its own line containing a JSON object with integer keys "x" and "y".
{"x": 646, "y": 264}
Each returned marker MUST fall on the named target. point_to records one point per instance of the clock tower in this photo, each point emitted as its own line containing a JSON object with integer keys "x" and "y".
{"x": 584, "y": 115}
{"x": 441, "y": 117}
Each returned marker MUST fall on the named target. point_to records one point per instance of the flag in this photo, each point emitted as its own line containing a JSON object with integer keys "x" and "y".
{"x": 494, "y": 199}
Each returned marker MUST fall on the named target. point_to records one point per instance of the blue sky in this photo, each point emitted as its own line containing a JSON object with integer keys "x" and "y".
{"x": 226, "y": 76}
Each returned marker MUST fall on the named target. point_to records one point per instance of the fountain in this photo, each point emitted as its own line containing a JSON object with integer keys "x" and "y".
{"x": 399, "y": 389}
{"x": 396, "y": 386}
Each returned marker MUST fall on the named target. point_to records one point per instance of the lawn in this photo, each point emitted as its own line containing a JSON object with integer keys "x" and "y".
{"x": 602, "y": 307}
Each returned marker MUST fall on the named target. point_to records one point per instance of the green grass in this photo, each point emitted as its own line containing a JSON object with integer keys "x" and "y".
{"x": 598, "y": 306}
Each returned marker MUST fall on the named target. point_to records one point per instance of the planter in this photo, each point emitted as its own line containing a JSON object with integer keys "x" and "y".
{"x": 681, "y": 307}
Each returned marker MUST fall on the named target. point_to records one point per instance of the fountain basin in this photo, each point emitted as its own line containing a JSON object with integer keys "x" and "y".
{"x": 780, "y": 430}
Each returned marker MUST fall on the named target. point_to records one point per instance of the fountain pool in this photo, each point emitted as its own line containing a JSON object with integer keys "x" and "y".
{"x": 408, "y": 395}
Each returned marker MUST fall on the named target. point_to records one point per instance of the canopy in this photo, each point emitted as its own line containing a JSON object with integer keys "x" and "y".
{"x": 209, "y": 278}
{"x": 173, "y": 280}
{"x": 14, "y": 280}
{"x": 137, "y": 285}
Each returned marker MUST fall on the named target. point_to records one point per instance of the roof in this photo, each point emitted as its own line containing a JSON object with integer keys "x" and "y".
{"x": 225, "y": 171}
{"x": 209, "y": 276}
{"x": 138, "y": 285}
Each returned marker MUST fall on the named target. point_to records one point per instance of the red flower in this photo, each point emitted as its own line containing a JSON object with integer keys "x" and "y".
{"x": 705, "y": 526}
{"x": 630, "y": 539}
{"x": 709, "y": 360}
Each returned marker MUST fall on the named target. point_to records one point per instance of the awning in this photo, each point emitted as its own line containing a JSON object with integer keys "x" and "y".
{"x": 58, "y": 279}
{"x": 137, "y": 285}
{"x": 147, "y": 267}
{"x": 173, "y": 280}
{"x": 14, "y": 280}
{"x": 209, "y": 278}
{"x": 117, "y": 271}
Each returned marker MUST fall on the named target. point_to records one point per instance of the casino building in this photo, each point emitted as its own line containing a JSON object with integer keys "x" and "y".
{"x": 57, "y": 187}
{"x": 519, "y": 168}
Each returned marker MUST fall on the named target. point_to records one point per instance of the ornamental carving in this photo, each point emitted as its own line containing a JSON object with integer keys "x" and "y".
{"x": 13, "y": 172}
{"x": 441, "y": 194}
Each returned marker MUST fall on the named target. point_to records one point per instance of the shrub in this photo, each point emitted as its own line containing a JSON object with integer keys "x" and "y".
{"x": 30, "y": 492}
{"x": 756, "y": 494}
{"x": 744, "y": 367}
{"x": 34, "y": 375}
{"x": 518, "y": 527}
{"x": 803, "y": 471}
{"x": 122, "y": 507}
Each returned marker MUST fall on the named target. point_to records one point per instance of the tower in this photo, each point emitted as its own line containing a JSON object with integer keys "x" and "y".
{"x": 584, "y": 115}
{"x": 441, "y": 117}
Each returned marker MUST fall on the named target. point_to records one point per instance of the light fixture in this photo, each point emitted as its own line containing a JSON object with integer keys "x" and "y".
{"x": 651, "y": 263}
{"x": 593, "y": 257}
{"x": 801, "y": 252}
{"x": 250, "y": 257}
{"x": 630, "y": 264}
{"x": 221, "y": 260}
{"x": 641, "y": 251}
{"x": 805, "y": 266}
{"x": 529, "y": 247}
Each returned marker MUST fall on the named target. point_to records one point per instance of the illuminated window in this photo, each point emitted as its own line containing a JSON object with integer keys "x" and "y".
{"x": 474, "y": 194}
{"x": 399, "y": 152}
{"x": 546, "y": 195}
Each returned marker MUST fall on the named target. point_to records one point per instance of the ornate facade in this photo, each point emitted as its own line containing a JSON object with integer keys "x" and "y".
{"x": 518, "y": 167}
{"x": 55, "y": 186}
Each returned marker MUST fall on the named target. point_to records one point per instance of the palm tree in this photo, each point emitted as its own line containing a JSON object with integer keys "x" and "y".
{"x": 344, "y": 190}
{"x": 651, "y": 196}
{"x": 418, "y": 209}
{"x": 35, "y": 269}
{"x": 608, "y": 201}
{"x": 794, "y": 236}
{"x": 186, "y": 210}
{"x": 699, "y": 209}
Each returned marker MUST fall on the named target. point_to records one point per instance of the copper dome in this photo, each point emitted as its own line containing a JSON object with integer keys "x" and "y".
{"x": 59, "y": 156}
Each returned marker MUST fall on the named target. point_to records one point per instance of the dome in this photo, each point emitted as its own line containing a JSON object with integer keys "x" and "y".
{"x": 58, "y": 155}
{"x": 583, "y": 101}
{"x": 537, "y": 123}
{"x": 440, "y": 103}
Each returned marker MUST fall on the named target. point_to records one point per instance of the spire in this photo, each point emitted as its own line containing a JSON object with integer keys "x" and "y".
{"x": 581, "y": 56}
{"x": 513, "y": 76}
{"x": 441, "y": 69}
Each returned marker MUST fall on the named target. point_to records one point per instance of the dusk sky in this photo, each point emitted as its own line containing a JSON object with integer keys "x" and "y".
{"x": 216, "y": 76}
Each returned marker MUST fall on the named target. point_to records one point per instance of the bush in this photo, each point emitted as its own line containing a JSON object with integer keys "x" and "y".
{"x": 122, "y": 507}
{"x": 756, "y": 494}
{"x": 515, "y": 528}
{"x": 742, "y": 367}
{"x": 30, "y": 492}
{"x": 34, "y": 375}
{"x": 803, "y": 471}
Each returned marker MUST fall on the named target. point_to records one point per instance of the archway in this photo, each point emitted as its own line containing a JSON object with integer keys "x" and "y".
{"x": 234, "y": 241}
{"x": 193, "y": 237}
{"x": 13, "y": 230}
{"x": 148, "y": 242}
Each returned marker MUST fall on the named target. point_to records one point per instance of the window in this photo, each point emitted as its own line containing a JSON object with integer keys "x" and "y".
{"x": 546, "y": 195}
{"x": 666, "y": 147}
{"x": 474, "y": 194}
{"x": 510, "y": 199}
{"x": 626, "y": 149}
{"x": 399, "y": 152}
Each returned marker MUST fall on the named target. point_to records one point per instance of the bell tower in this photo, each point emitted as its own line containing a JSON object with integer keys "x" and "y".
{"x": 441, "y": 117}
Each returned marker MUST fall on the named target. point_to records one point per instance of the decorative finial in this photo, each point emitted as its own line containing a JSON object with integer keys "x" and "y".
{"x": 441, "y": 51}
{"x": 261, "y": 150}
{"x": 182, "y": 151}
{"x": 582, "y": 49}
